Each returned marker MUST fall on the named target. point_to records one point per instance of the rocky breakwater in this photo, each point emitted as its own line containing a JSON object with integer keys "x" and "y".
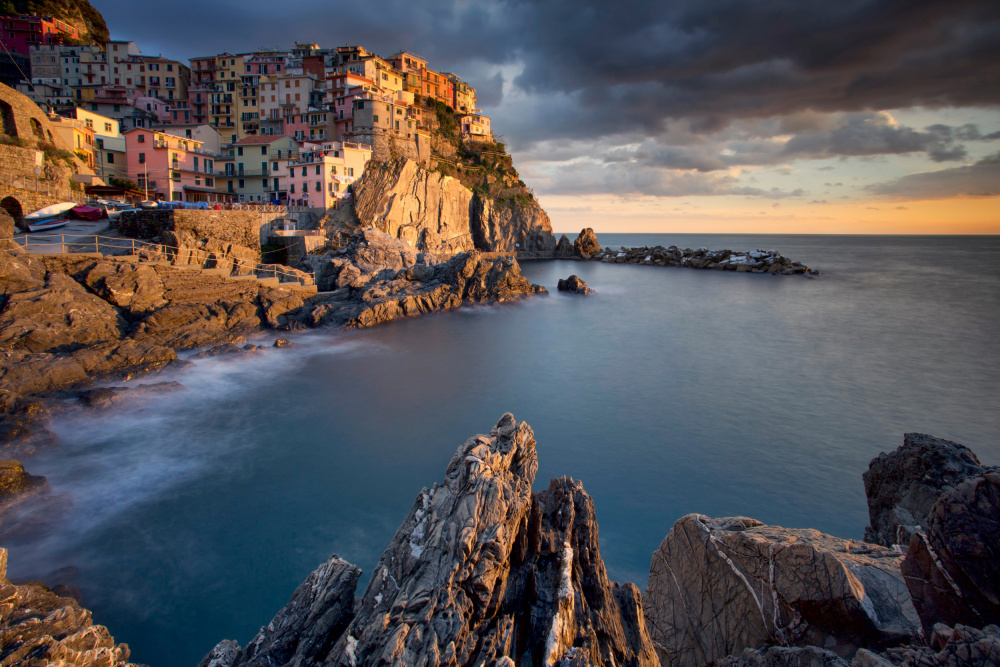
{"x": 438, "y": 214}
{"x": 755, "y": 261}
{"x": 481, "y": 572}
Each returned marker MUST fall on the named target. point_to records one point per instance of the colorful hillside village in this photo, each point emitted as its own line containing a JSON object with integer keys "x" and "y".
{"x": 292, "y": 127}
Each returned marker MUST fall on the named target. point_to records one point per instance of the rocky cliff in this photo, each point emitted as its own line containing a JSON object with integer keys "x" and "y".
{"x": 438, "y": 214}
{"x": 78, "y": 13}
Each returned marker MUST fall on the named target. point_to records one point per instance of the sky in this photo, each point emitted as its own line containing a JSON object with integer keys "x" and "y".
{"x": 705, "y": 116}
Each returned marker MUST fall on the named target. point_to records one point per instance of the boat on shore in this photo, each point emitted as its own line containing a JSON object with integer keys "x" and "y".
{"x": 49, "y": 217}
{"x": 52, "y": 223}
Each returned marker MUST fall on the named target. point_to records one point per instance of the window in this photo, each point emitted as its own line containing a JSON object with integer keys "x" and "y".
{"x": 263, "y": 150}
{"x": 239, "y": 150}
{"x": 241, "y": 184}
{"x": 291, "y": 188}
{"x": 319, "y": 186}
{"x": 274, "y": 166}
{"x": 375, "y": 119}
{"x": 141, "y": 138}
{"x": 111, "y": 158}
{"x": 350, "y": 171}
{"x": 142, "y": 158}
{"x": 107, "y": 127}
{"x": 210, "y": 182}
{"x": 196, "y": 164}
{"x": 318, "y": 170}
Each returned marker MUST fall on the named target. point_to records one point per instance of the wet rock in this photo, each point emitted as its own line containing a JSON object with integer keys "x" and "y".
{"x": 103, "y": 398}
{"x": 903, "y": 486}
{"x": 586, "y": 243}
{"x": 717, "y": 586}
{"x": 283, "y": 342}
{"x": 575, "y": 285}
{"x": 16, "y": 483}
{"x": 564, "y": 248}
{"x": 225, "y": 349}
{"x": 38, "y": 627}
{"x": 304, "y": 631}
{"x": 953, "y": 571}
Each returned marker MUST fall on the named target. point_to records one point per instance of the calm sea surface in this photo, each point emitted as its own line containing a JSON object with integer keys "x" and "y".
{"x": 192, "y": 518}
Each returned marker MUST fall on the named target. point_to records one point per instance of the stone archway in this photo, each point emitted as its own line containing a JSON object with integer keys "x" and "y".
{"x": 13, "y": 207}
{"x": 9, "y": 127}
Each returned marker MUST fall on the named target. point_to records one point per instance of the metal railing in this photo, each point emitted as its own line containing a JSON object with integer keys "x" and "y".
{"x": 170, "y": 253}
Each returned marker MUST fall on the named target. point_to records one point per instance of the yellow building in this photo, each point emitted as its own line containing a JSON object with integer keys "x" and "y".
{"x": 77, "y": 136}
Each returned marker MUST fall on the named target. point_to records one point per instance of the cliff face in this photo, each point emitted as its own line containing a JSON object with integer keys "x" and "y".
{"x": 78, "y": 13}
{"x": 436, "y": 213}
{"x": 511, "y": 225}
{"x": 427, "y": 210}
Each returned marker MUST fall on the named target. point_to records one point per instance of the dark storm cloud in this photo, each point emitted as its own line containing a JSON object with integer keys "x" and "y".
{"x": 600, "y": 74}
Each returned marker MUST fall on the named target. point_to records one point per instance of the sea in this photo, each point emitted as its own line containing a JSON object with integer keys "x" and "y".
{"x": 188, "y": 517}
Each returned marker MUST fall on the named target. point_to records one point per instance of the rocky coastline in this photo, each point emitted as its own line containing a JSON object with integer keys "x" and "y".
{"x": 483, "y": 571}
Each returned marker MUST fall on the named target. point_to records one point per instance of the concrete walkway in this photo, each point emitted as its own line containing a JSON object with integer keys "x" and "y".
{"x": 51, "y": 242}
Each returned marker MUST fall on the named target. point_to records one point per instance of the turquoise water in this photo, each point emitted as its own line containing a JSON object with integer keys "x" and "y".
{"x": 192, "y": 518}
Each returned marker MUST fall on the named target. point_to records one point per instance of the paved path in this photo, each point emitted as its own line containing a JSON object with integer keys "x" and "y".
{"x": 75, "y": 233}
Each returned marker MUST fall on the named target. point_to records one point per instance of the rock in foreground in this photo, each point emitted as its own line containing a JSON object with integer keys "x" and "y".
{"x": 481, "y": 571}
{"x": 38, "y": 627}
{"x": 718, "y": 586}
{"x": 903, "y": 486}
{"x": 953, "y": 570}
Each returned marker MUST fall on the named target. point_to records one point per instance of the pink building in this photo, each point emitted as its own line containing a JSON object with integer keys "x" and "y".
{"x": 173, "y": 168}
{"x": 320, "y": 178}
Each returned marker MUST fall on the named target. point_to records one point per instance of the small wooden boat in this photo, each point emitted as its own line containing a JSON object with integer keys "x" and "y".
{"x": 48, "y": 213}
{"x": 51, "y": 223}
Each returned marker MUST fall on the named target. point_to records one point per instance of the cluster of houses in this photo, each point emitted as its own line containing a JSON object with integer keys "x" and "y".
{"x": 293, "y": 127}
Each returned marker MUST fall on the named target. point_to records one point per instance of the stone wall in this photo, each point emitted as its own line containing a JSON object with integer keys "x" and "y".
{"x": 244, "y": 228}
{"x": 22, "y": 119}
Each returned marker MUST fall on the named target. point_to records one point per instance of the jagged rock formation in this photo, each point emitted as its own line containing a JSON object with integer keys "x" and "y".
{"x": 903, "y": 486}
{"x": 38, "y": 627}
{"x": 378, "y": 279}
{"x": 717, "y": 586}
{"x": 16, "y": 483}
{"x": 953, "y": 571}
{"x": 573, "y": 284}
{"x": 427, "y": 210}
{"x": 586, "y": 244}
{"x": 481, "y": 571}
{"x": 437, "y": 214}
{"x": 564, "y": 249}
{"x": 304, "y": 631}
{"x": 510, "y": 225}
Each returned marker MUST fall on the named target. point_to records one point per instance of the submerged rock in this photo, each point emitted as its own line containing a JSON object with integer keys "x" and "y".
{"x": 953, "y": 571}
{"x": 574, "y": 284}
{"x": 903, "y": 486}
{"x": 718, "y": 586}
